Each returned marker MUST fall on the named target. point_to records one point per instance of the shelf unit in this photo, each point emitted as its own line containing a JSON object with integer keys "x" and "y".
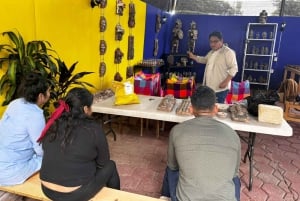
{"x": 259, "y": 53}
{"x": 180, "y": 64}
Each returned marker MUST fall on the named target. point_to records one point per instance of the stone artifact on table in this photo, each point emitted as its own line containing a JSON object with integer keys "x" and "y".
{"x": 184, "y": 108}
{"x": 103, "y": 95}
{"x": 239, "y": 112}
{"x": 167, "y": 103}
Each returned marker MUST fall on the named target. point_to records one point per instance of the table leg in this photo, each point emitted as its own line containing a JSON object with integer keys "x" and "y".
{"x": 249, "y": 153}
{"x": 157, "y": 128}
{"x": 142, "y": 126}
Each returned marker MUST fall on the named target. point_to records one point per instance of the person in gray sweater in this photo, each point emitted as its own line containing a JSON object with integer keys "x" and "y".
{"x": 203, "y": 155}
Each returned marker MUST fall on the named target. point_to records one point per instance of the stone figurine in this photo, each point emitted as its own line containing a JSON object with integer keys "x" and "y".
{"x": 101, "y": 3}
{"x": 102, "y": 24}
{"x": 102, "y": 47}
{"x": 158, "y": 23}
{"x": 118, "y": 56}
{"x": 102, "y": 69}
{"x": 177, "y": 35}
{"x": 193, "y": 36}
{"x": 130, "y": 52}
{"x": 119, "y": 32}
{"x": 263, "y": 15}
{"x": 131, "y": 19}
{"x": 120, "y": 5}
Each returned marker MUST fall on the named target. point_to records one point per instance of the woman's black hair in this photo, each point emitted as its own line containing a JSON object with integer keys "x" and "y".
{"x": 77, "y": 98}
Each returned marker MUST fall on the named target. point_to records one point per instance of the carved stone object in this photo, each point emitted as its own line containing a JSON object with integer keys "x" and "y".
{"x": 158, "y": 23}
{"x": 263, "y": 15}
{"x": 130, "y": 52}
{"x": 177, "y": 35}
{"x": 129, "y": 72}
{"x": 167, "y": 103}
{"x": 239, "y": 113}
{"x": 155, "y": 51}
{"x": 102, "y": 47}
{"x": 120, "y": 5}
{"x": 131, "y": 19}
{"x": 102, "y": 69}
{"x": 101, "y": 3}
{"x": 102, "y": 24}
{"x": 119, "y": 32}
{"x": 118, "y": 56}
{"x": 118, "y": 77}
{"x": 193, "y": 36}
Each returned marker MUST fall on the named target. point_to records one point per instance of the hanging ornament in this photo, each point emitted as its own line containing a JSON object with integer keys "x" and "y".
{"x": 102, "y": 69}
{"x": 102, "y": 24}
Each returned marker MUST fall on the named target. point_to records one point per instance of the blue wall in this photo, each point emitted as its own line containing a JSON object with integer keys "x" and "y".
{"x": 234, "y": 32}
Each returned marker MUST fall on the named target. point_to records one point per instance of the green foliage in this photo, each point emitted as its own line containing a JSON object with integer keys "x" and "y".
{"x": 20, "y": 59}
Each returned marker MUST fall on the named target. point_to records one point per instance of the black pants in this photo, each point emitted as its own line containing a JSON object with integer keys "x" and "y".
{"x": 105, "y": 176}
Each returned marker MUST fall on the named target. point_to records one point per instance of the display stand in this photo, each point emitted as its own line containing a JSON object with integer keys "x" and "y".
{"x": 259, "y": 53}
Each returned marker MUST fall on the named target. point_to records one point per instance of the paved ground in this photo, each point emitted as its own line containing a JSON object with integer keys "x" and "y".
{"x": 141, "y": 162}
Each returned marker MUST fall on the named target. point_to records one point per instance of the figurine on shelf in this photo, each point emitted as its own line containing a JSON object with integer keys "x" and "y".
{"x": 119, "y": 32}
{"x": 177, "y": 35}
{"x": 263, "y": 15}
{"x": 193, "y": 35}
{"x": 120, "y": 5}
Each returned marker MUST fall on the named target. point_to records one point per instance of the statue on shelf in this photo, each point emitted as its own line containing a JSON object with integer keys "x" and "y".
{"x": 119, "y": 32}
{"x": 131, "y": 19}
{"x": 129, "y": 72}
{"x": 120, "y": 5}
{"x": 193, "y": 36}
{"x": 177, "y": 35}
{"x": 263, "y": 15}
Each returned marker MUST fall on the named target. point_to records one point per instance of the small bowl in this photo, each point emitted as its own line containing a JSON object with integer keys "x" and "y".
{"x": 222, "y": 114}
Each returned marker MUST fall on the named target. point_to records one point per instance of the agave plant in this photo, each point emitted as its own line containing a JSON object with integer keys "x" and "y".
{"x": 20, "y": 59}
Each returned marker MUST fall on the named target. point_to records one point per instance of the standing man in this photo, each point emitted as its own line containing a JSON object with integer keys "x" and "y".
{"x": 203, "y": 155}
{"x": 221, "y": 66}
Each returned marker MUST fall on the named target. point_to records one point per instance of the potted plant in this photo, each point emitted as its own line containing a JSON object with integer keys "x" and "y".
{"x": 21, "y": 58}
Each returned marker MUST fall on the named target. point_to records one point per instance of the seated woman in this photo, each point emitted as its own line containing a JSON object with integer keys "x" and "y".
{"x": 20, "y": 127}
{"x": 76, "y": 162}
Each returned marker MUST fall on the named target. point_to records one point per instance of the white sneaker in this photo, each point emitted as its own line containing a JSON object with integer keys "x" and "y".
{"x": 164, "y": 198}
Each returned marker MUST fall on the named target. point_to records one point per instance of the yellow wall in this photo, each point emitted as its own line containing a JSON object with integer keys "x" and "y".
{"x": 72, "y": 28}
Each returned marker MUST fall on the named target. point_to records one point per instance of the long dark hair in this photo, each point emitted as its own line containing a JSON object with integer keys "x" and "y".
{"x": 76, "y": 99}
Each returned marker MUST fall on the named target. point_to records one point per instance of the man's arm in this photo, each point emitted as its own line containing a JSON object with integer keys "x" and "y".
{"x": 198, "y": 59}
{"x": 171, "y": 158}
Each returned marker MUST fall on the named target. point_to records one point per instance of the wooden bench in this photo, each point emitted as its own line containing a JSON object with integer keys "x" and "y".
{"x": 31, "y": 188}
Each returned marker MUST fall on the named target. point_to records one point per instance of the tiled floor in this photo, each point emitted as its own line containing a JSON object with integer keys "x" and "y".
{"x": 141, "y": 162}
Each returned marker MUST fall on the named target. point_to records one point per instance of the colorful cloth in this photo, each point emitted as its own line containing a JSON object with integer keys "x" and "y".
{"x": 147, "y": 84}
{"x": 180, "y": 89}
{"x": 238, "y": 91}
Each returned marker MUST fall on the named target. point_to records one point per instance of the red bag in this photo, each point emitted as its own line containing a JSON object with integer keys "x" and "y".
{"x": 147, "y": 84}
